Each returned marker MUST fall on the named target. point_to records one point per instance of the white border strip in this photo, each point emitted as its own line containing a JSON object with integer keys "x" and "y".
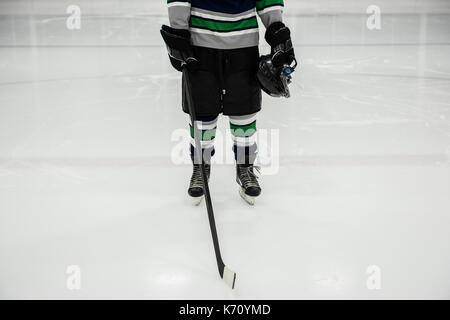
{"x": 206, "y": 144}
{"x": 207, "y": 126}
{"x": 243, "y": 120}
{"x": 245, "y": 141}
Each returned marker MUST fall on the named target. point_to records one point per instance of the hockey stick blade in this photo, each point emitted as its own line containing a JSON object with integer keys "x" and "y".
{"x": 229, "y": 277}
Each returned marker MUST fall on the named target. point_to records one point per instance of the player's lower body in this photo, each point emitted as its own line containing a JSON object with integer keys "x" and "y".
{"x": 226, "y": 84}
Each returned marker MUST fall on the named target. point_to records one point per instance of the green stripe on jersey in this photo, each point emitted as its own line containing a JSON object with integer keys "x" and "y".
{"x": 261, "y": 4}
{"x": 223, "y": 25}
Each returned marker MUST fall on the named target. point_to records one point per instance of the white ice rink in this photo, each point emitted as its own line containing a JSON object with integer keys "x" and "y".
{"x": 86, "y": 176}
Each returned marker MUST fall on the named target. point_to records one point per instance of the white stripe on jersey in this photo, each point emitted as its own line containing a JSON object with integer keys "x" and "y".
{"x": 179, "y": 4}
{"x": 273, "y": 8}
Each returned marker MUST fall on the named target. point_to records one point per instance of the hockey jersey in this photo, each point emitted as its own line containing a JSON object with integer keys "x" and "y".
{"x": 224, "y": 24}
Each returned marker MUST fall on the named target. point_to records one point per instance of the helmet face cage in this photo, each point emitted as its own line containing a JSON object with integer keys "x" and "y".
{"x": 273, "y": 80}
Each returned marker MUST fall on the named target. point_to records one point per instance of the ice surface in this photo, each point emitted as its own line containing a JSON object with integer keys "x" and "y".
{"x": 86, "y": 178}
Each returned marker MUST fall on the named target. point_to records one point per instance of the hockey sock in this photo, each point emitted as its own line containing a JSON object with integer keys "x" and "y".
{"x": 243, "y": 133}
{"x": 207, "y": 127}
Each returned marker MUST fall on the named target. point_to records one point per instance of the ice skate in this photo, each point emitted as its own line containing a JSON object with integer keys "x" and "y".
{"x": 249, "y": 187}
{"x": 195, "y": 190}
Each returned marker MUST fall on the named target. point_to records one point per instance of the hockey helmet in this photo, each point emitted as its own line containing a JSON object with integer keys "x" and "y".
{"x": 274, "y": 81}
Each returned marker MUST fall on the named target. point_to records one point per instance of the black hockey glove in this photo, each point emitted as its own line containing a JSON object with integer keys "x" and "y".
{"x": 179, "y": 46}
{"x": 278, "y": 36}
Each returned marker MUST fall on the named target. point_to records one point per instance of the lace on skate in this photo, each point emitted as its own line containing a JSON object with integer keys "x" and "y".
{"x": 248, "y": 177}
{"x": 196, "y": 179}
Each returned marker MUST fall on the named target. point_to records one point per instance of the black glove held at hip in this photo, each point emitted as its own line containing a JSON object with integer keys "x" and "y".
{"x": 179, "y": 46}
{"x": 278, "y": 36}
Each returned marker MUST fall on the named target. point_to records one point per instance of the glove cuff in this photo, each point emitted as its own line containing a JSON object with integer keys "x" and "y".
{"x": 179, "y": 39}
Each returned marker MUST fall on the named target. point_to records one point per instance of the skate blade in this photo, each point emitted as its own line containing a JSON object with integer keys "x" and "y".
{"x": 249, "y": 199}
{"x": 196, "y": 200}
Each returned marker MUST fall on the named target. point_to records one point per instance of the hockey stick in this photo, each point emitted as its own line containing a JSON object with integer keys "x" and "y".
{"x": 226, "y": 274}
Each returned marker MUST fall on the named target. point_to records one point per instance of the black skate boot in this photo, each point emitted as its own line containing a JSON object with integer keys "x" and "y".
{"x": 196, "y": 185}
{"x": 248, "y": 182}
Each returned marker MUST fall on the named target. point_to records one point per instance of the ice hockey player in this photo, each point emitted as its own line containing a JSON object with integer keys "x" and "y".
{"x": 223, "y": 37}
